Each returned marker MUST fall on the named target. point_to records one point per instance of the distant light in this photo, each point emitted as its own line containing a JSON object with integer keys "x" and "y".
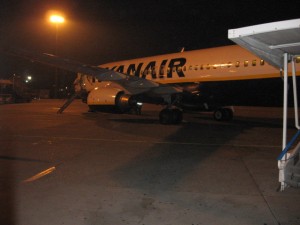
{"x": 57, "y": 19}
{"x": 28, "y": 79}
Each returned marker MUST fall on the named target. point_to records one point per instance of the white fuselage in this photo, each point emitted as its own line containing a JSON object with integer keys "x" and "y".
{"x": 206, "y": 66}
{"x": 214, "y": 64}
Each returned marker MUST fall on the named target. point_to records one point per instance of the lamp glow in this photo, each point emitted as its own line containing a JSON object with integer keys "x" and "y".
{"x": 57, "y": 19}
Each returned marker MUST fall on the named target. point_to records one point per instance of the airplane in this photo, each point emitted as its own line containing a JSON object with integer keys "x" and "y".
{"x": 212, "y": 79}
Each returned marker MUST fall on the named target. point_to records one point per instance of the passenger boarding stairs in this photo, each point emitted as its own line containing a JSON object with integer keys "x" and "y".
{"x": 278, "y": 43}
{"x": 289, "y": 164}
{"x": 288, "y": 160}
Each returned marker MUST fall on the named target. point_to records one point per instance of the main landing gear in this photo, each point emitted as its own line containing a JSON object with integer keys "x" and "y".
{"x": 223, "y": 114}
{"x": 170, "y": 116}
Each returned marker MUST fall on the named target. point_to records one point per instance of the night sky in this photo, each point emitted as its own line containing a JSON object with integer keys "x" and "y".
{"x": 98, "y": 31}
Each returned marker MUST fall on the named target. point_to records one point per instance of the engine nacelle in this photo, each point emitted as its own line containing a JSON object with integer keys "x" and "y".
{"x": 110, "y": 98}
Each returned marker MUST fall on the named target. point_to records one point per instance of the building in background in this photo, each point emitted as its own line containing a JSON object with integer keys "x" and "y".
{"x": 14, "y": 91}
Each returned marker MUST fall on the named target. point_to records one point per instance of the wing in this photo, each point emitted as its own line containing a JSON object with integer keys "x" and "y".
{"x": 133, "y": 84}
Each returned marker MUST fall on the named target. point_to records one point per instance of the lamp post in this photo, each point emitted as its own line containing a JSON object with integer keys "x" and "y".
{"x": 57, "y": 20}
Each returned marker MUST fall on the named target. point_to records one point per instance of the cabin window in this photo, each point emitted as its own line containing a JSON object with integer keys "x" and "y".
{"x": 207, "y": 66}
{"x": 173, "y": 68}
{"x": 246, "y": 63}
{"x": 201, "y": 67}
{"x": 179, "y": 69}
{"x": 262, "y": 62}
{"x": 184, "y": 68}
{"x": 190, "y": 67}
{"x": 237, "y": 64}
{"x": 168, "y": 70}
{"x": 214, "y": 66}
{"x": 196, "y": 67}
{"x": 254, "y": 62}
{"x": 229, "y": 64}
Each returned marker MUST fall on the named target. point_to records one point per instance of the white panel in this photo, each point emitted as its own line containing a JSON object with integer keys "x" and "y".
{"x": 264, "y": 28}
{"x": 269, "y": 41}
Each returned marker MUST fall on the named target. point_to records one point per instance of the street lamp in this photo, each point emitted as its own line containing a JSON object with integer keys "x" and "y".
{"x": 56, "y": 19}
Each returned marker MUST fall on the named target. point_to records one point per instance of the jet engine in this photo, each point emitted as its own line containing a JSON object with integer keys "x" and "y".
{"x": 110, "y": 98}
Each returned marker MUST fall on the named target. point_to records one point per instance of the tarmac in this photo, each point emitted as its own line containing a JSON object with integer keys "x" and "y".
{"x": 111, "y": 169}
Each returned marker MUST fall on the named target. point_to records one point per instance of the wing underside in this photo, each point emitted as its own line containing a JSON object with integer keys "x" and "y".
{"x": 133, "y": 84}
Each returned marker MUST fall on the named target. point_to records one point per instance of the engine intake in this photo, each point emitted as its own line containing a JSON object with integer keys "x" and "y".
{"x": 110, "y": 98}
{"x": 124, "y": 101}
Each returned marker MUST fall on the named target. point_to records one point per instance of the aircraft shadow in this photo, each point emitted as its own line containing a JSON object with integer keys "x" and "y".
{"x": 168, "y": 162}
{"x": 136, "y": 121}
{"x": 164, "y": 166}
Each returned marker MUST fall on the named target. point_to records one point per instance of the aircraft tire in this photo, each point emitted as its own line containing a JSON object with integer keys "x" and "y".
{"x": 170, "y": 116}
{"x": 223, "y": 114}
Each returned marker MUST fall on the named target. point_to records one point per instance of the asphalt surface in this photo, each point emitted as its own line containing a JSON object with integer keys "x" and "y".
{"x": 109, "y": 169}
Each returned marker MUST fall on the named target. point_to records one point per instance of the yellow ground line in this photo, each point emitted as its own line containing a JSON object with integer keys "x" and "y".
{"x": 40, "y": 175}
